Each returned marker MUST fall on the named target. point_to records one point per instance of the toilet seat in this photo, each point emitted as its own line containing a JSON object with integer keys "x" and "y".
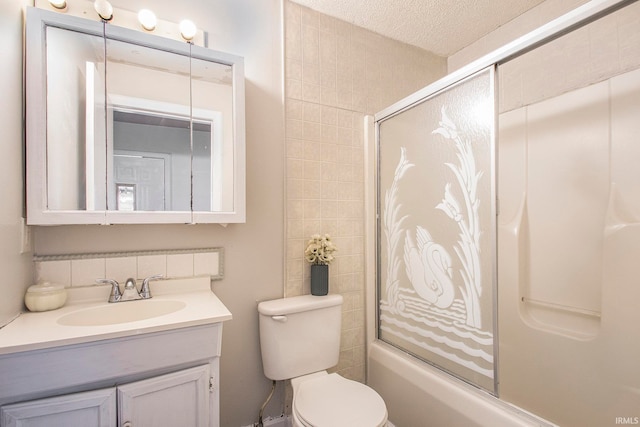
{"x": 331, "y": 400}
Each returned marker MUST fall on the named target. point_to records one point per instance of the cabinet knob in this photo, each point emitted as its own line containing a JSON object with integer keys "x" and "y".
{"x": 127, "y": 424}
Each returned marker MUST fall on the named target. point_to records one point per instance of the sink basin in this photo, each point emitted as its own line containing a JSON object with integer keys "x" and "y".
{"x": 121, "y": 312}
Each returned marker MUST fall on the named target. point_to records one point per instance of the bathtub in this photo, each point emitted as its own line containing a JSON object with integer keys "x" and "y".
{"x": 419, "y": 395}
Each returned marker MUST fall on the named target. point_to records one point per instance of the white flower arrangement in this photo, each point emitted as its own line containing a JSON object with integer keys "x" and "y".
{"x": 320, "y": 250}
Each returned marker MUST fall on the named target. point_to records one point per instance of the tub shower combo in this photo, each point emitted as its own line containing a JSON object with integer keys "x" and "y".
{"x": 507, "y": 223}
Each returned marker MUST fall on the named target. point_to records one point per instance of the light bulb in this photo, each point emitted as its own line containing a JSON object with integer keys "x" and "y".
{"x": 58, "y": 4}
{"x": 104, "y": 9}
{"x": 188, "y": 29}
{"x": 147, "y": 19}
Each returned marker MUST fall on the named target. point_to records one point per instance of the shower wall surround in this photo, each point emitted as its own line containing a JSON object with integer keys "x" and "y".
{"x": 567, "y": 189}
{"x": 568, "y": 227}
{"x": 335, "y": 73}
{"x": 568, "y": 248}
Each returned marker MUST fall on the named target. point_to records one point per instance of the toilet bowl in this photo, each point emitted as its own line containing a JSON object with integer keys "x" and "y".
{"x": 330, "y": 400}
{"x": 299, "y": 341}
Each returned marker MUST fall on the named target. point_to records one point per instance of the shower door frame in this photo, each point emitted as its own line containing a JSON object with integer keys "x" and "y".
{"x": 553, "y": 30}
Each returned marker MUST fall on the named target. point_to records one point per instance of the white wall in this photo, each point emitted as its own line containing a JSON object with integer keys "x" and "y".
{"x": 253, "y": 251}
{"x": 17, "y": 270}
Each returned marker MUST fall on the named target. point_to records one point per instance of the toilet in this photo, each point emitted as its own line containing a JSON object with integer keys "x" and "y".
{"x": 300, "y": 340}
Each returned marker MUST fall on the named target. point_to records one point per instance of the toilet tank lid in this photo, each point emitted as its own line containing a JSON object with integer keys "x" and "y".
{"x": 297, "y": 304}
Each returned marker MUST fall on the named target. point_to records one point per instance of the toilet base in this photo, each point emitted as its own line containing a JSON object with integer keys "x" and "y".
{"x": 321, "y": 399}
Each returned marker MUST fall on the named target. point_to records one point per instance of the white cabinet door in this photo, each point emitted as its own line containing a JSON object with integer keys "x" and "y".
{"x": 177, "y": 399}
{"x": 88, "y": 409}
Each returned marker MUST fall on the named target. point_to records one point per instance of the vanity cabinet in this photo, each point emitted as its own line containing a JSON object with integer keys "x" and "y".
{"x": 176, "y": 399}
{"x": 92, "y": 409}
{"x": 164, "y": 378}
{"x": 159, "y": 369}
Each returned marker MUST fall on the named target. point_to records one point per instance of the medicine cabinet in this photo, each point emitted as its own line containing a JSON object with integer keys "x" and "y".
{"x": 124, "y": 127}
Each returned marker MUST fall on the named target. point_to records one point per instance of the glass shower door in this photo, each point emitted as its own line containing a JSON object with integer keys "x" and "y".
{"x": 436, "y": 229}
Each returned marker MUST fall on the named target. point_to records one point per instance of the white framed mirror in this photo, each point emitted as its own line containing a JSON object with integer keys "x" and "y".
{"x": 127, "y": 127}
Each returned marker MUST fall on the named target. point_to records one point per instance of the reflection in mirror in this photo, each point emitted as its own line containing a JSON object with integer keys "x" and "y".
{"x": 148, "y": 157}
{"x": 75, "y": 121}
{"x": 212, "y": 100}
{"x": 126, "y": 197}
{"x": 149, "y": 129}
{"x": 202, "y": 164}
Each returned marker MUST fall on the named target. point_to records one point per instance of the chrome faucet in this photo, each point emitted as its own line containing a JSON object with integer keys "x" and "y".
{"x": 130, "y": 292}
{"x": 115, "y": 295}
{"x": 145, "y": 292}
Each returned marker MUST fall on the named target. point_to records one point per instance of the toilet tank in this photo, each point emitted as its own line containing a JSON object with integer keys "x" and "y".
{"x": 300, "y": 335}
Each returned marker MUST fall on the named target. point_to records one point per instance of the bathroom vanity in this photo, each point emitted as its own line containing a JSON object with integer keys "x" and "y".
{"x": 148, "y": 362}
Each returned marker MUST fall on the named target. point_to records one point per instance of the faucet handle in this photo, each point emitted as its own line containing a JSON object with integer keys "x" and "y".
{"x": 145, "y": 291}
{"x": 115, "y": 289}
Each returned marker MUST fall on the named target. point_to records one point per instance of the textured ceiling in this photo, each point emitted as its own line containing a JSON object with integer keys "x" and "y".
{"x": 439, "y": 26}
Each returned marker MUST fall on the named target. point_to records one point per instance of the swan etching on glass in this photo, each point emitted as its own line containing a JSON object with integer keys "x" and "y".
{"x": 428, "y": 266}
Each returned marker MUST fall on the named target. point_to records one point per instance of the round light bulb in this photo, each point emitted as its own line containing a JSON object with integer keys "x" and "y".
{"x": 104, "y": 9}
{"x": 147, "y": 19}
{"x": 188, "y": 29}
{"x": 58, "y": 4}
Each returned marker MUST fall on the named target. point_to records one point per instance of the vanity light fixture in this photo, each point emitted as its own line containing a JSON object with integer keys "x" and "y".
{"x": 104, "y": 9}
{"x": 147, "y": 19}
{"x": 58, "y": 4}
{"x": 188, "y": 29}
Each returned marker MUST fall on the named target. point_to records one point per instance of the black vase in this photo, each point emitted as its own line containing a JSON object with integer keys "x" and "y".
{"x": 319, "y": 279}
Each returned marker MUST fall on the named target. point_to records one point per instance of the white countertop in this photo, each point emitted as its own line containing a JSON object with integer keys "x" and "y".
{"x": 33, "y": 331}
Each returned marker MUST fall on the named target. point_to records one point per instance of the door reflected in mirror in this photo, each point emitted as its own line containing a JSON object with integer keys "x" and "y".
{"x": 155, "y": 154}
{"x": 149, "y": 126}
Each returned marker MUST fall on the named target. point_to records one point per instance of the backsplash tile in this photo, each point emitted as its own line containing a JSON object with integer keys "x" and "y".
{"x": 54, "y": 271}
{"x": 84, "y": 269}
{"x": 180, "y": 265}
{"x": 120, "y": 268}
{"x": 206, "y": 263}
{"x": 151, "y": 265}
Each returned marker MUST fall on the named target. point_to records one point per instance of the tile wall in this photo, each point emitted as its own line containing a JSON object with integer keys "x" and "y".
{"x": 83, "y": 270}
{"x": 335, "y": 74}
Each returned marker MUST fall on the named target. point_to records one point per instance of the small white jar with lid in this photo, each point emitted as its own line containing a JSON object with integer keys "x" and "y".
{"x": 45, "y": 296}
